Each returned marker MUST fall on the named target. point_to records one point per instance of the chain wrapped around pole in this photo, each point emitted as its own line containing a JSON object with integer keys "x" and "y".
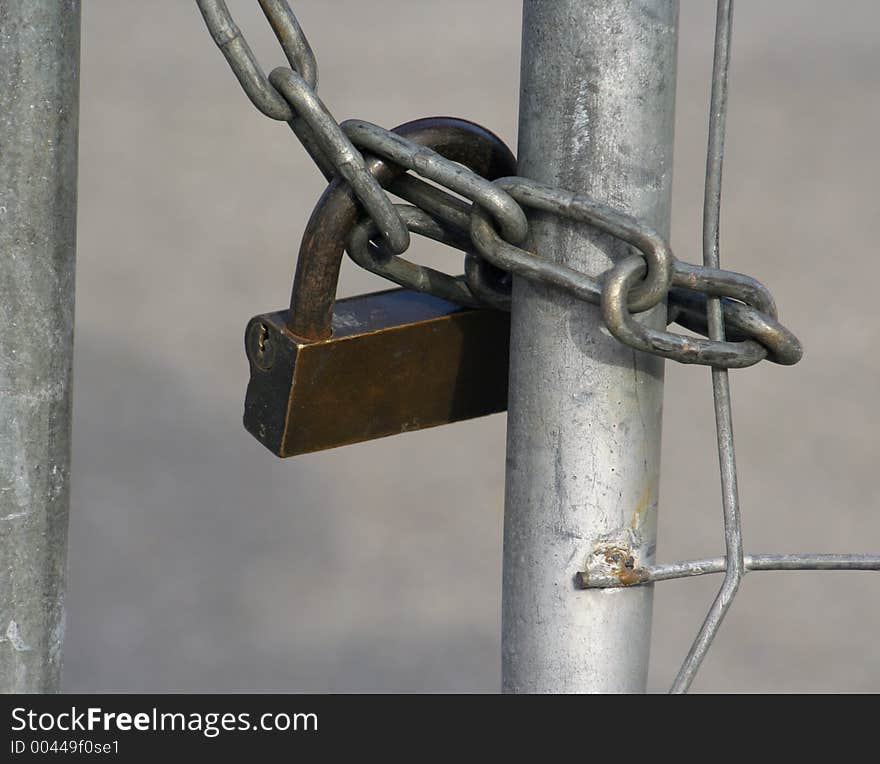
{"x": 496, "y": 222}
{"x": 486, "y": 219}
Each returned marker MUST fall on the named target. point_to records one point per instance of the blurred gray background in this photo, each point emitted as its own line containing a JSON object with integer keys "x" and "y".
{"x": 199, "y": 562}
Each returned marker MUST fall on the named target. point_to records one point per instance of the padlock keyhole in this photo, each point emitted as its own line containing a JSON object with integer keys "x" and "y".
{"x": 263, "y": 339}
{"x": 262, "y": 348}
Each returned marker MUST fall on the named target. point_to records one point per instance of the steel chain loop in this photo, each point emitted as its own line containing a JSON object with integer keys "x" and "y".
{"x": 405, "y": 273}
{"x": 634, "y": 283}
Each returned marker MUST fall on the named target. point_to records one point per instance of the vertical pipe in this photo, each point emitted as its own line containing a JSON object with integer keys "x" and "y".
{"x": 39, "y": 98}
{"x": 597, "y": 101}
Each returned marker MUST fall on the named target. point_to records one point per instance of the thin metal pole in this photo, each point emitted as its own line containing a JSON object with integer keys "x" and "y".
{"x": 597, "y": 105}
{"x": 39, "y": 109}
{"x": 735, "y": 566}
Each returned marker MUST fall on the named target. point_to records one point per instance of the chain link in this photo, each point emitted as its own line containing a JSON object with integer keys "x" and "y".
{"x": 736, "y": 314}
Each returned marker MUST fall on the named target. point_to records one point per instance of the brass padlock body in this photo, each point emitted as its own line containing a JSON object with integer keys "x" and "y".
{"x": 397, "y": 360}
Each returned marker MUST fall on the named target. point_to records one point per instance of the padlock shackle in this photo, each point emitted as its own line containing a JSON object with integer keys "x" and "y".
{"x": 337, "y": 211}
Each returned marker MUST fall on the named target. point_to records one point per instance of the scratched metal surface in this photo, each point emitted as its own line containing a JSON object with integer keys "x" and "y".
{"x": 200, "y": 562}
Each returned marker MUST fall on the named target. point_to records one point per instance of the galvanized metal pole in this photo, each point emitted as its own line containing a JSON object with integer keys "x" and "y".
{"x": 597, "y": 103}
{"x": 39, "y": 99}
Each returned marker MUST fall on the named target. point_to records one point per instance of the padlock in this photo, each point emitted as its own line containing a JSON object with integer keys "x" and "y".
{"x": 327, "y": 373}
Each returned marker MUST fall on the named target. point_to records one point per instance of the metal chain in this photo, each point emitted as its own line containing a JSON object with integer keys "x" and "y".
{"x": 632, "y": 285}
{"x": 736, "y": 314}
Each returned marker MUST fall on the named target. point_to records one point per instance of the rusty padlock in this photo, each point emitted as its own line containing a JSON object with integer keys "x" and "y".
{"x": 327, "y": 373}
